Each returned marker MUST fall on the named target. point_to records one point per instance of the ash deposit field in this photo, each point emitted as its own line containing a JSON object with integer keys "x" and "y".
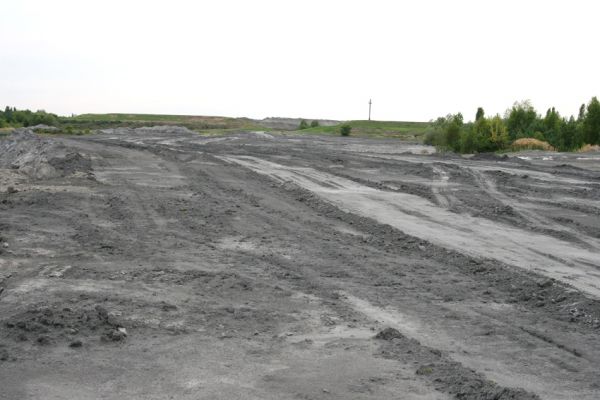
{"x": 155, "y": 263}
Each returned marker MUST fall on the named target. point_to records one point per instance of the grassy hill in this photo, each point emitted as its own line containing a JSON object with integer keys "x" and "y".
{"x": 93, "y": 121}
{"x": 394, "y": 129}
{"x": 216, "y": 125}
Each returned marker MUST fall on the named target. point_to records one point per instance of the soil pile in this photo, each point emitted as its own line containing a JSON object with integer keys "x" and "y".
{"x": 40, "y": 158}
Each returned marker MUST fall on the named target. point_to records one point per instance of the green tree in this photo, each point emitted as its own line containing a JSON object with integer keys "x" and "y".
{"x": 499, "y": 137}
{"x": 521, "y": 120}
{"x": 552, "y": 128}
{"x": 581, "y": 115}
{"x": 570, "y": 138}
{"x": 452, "y": 132}
{"x": 480, "y": 114}
{"x": 314, "y": 123}
{"x": 8, "y": 114}
{"x": 481, "y": 135}
{"x": 591, "y": 122}
{"x": 468, "y": 141}
{"x": 485, "y": 135}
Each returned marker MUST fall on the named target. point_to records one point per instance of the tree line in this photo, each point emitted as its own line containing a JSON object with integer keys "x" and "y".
{"x": 11, "y": 117}
{"x": 488, "y": 134}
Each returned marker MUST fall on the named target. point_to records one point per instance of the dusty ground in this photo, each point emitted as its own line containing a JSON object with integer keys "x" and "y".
{"x": 158, "y": 264}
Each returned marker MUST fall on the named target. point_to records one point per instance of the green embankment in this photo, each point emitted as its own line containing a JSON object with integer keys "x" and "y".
{"x": 135, "y": 120}
{"x": 392, "y": 129}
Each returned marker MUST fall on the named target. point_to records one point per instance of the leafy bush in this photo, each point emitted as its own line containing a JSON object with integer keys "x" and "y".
{"x": 17, "y": 118}
{"x": 314, "y": 124}
{"x": 446, "y": 132}
{"x": 303, "y": 125}
{"x": 430, "y": 137}
{"x": 345, "y": 130}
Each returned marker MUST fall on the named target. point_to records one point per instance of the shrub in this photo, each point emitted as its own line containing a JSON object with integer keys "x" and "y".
{"x": 314, "y": 124}
{"x": 430, "y": 138}
{"x": 303, "y": 125}
{"x": 345, "y": 130}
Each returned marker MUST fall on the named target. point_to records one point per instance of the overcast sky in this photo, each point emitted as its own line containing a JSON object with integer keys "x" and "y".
{"x": 316, "y": 59}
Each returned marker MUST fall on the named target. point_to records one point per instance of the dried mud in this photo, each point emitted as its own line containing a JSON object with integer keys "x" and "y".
{"x": 156, "y": 263}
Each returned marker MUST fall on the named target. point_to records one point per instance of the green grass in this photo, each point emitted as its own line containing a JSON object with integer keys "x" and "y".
{"x": 393, "y": 129}
{"x": 219, "y": 125}
{"x": 136, "y": 120}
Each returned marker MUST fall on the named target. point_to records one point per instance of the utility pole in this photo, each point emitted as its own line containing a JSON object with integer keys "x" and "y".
{"x": 369, "y": 109}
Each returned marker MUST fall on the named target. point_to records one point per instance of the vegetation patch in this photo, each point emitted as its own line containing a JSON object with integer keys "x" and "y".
{"x": 405, "y": 130}
{"x": 521, "y": 121}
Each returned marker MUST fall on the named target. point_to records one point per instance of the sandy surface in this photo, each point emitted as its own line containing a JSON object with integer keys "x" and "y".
{"x": 159, "y": 264}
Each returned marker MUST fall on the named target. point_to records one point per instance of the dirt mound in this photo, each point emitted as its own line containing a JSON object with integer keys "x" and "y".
{"x": 165, "y": 129}
{"x": 489, "y": 157}
{"x": 149, "y": 131}
{"x": 258, "y": 135}
{"x": 389, "y": 334}
{"x": 40, "y": 158}
{"x": 448, "y": 376}
{"x": 43, "y": 128}
{"x": 70, "y": 163}
{"x": 47, "y": 325}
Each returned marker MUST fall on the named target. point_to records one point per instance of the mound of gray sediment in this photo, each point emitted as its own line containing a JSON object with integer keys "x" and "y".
{"x": 489, "y": 157}
{"x": 43, "y": 128}
{"x": 45, "y": 325}
{"x": 165, "y": 129}
{"x": 389, "y": 334}
{"x": 39, "y": 157}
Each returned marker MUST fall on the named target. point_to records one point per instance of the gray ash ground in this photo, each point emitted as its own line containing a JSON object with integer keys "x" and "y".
{"x": 156, "y": 263}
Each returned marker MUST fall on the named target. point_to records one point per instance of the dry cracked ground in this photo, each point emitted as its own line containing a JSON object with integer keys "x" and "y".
{"x": 159, "y": 264}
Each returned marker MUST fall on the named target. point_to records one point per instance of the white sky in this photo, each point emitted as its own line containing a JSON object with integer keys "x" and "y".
{"x": 315, "y": 59}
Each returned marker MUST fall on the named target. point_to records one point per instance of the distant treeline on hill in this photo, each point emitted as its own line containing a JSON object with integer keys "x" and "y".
{"x": 12, "y": 117}
{"x": 488, "y": 134}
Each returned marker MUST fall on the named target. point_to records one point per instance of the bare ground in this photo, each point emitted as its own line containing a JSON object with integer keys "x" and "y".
{"x": 156, "y": 264}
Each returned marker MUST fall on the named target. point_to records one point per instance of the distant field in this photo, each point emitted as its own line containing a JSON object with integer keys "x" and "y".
{"x": 218, "y": 125}
{"x": 395, "y": 129}
{"x": 189, "y": 121}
